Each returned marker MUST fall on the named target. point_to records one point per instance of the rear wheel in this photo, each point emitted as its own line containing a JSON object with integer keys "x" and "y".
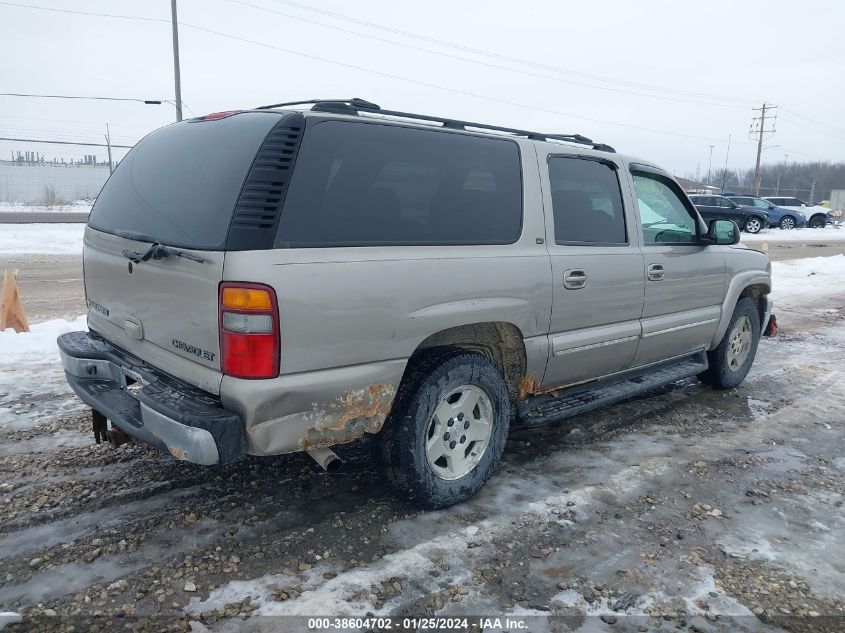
{"x": 732, "y": 359}
{"x": 787, "y": 223}
{"x": 447, "y": 429}
{"x": 753, "y": 224}
{"x": 817, "y": 222}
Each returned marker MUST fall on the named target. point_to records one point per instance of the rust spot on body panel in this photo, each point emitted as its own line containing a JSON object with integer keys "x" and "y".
{"x": 351, "y": 416}
{"x": 528, "y": 387}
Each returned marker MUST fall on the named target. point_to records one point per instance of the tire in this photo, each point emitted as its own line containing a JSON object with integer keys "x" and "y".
{"x": 728, "y": 368}
{"x": 787, "y": 223}
{"x": 446, "y": 383}
{"x": 753, "y": 224}
{"x": 817, "y": 222}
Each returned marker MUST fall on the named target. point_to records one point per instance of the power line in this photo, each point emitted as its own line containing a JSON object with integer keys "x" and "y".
{"x": 437, "y": 86}
{"x": 479, "y": 62}
{"x": 35, "y": 140}
{"x": 817, "y": 130}
{"x": 507, "y": 58}
{"x": 42, "y": 96}
{"x": 817, "y": 122}
{"x": 373, "y": 72}
{"x": 79, "y": 12}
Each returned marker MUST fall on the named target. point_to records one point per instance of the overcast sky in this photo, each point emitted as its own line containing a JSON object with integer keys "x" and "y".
{"x": 661, "y": 80}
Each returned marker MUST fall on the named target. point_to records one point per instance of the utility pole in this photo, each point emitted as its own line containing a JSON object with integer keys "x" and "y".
{"x": 709, "y": 164}
{"x": 725, "y": 170}
{"x": 176, "y": 73}
{"x": 783, "y": 171}
{"x": 759, "y": 131}
{"x": 108, "y": 146}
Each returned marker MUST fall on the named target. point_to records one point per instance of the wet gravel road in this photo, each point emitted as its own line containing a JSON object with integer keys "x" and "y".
{"x": 688, "y": 509}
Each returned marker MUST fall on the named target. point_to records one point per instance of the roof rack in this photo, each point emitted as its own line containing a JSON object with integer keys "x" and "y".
{"x": 356, "y": 105}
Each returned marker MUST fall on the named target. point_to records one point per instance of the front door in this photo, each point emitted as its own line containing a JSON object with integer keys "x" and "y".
{"x": 597, "y": 270}
{"x": 685, "y": 280}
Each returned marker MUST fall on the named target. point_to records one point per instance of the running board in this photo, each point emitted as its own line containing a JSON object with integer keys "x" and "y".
{"x": 546, "y": 409}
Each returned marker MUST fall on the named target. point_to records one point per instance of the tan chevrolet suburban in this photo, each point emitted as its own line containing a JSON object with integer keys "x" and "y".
{"x": 303, "y": 275}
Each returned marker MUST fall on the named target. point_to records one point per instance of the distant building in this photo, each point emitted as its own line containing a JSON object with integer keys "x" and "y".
{"x": 690, "y": 186}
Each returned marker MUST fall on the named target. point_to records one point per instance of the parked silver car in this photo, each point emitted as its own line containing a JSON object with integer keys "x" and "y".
{"x": 274, "y": 280}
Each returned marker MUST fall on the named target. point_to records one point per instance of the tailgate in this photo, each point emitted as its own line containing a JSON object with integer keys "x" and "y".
{"x": 179, "y": 186}
{"x": 163, "y": 311}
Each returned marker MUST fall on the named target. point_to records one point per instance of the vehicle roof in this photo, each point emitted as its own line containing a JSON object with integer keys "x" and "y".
{"x": 350, "y": 110}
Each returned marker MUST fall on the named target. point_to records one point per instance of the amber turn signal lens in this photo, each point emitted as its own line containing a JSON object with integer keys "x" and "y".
{"x": 246, "y": 299}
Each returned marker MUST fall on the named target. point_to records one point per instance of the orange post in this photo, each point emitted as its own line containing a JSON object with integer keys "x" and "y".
{"x": 12, "y": 314}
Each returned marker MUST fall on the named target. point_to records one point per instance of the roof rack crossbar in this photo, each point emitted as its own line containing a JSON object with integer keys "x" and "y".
{"x": 363, "y": 105}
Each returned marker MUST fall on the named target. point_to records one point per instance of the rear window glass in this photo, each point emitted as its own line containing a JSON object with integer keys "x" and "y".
{"x": 358, "y": 184}
{"x": 179, "y": 185}
{"x": 586, "y": 201}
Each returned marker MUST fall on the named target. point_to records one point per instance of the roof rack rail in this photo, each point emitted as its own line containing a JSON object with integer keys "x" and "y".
{"x": 349, "y": 106}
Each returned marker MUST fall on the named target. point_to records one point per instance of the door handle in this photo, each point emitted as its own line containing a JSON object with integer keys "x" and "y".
{"x": 574, "y": 279}
{"x": 655, "y": 272}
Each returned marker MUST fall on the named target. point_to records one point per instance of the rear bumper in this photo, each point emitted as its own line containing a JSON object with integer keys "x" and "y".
{"x": 152, "y": 407}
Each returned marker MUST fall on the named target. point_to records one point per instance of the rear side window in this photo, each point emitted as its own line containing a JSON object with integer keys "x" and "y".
{"x": 586, "y": 201}
{"x": 359, "y": 184}
{"x": 179, "y": 185}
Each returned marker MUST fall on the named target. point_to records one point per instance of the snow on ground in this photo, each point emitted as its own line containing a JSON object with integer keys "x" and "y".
{"x": 31, "y": 372}
{"x": 831, "y": 233}
{"x": 54, "y": 239}
{"x": 77, "y": 206}
{"x": 795, "y": 281}
{"x": 7, "y": 617}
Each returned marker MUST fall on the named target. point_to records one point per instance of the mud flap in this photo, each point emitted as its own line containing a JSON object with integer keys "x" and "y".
{"x": 771, "y": 326}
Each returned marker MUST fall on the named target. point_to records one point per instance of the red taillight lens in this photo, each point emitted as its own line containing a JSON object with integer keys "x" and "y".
{"x": 249, "y": 330}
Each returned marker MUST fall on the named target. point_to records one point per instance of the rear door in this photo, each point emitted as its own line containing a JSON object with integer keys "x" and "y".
{"x": 179, "y": 186}
{"x": 597, "y": 269}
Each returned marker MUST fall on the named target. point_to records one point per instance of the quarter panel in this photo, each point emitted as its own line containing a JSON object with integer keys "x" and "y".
{"x": 346, "y": 306}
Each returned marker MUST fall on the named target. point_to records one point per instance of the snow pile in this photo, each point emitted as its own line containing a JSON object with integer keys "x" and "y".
{"x": 54, "y": 239}
{"x": 798, "y": 280}
{"x": 39, "y": 344}
{"x": 827, "y": 235}
{"x": 31, "y": 372}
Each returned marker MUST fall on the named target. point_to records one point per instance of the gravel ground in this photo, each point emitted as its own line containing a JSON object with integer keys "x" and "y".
{"x": 688, "y": 509}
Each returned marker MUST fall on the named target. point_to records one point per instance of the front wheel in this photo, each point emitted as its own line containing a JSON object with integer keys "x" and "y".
{"x": 447, "y": 430}
{"x": 787, "y": 223}
{"x": 817, "y": 222}
{"x": 732, "y": 359}
{"x": 753, "y": 225}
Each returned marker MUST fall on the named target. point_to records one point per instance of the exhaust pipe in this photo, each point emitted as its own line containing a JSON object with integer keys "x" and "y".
{"x": 326, "y": 458}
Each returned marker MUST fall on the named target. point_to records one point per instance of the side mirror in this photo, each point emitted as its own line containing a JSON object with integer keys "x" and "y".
{"x": 803, "y": 205}
{"x": 723, "y": 233}
{"x": 772, "y": 207}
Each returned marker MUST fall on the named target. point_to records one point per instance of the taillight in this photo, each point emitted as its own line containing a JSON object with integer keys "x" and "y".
{"x": 249, "y": 330}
